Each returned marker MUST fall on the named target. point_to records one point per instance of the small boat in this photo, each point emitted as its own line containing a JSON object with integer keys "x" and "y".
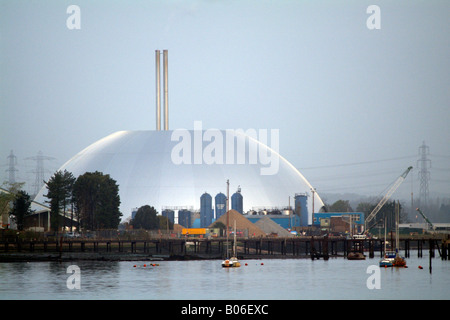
{"x": 356, "y": 256}
{"x": 399, "y": 261}
{"x": 233, "y": 262}
{"x": 393, "y": 258}
{"x": 386, "y": 262}
{"x": 389, "y": 256}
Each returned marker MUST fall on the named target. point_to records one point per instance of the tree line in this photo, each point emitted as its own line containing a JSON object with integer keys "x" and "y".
{"x": 93, "y": 198}
{"x": 147, "y": 218}
{"x": 386, "y": 213}
{"x": 16, "y": 204}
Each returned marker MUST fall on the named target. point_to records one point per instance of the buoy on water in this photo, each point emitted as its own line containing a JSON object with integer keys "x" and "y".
{"x": 420, "y": 267}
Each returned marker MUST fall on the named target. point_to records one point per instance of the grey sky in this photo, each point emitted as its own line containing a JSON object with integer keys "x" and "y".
{"x": 339, "y": 92}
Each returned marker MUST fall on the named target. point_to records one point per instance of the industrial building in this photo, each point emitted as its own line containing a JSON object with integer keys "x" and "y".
{"x": 286, "y": 217}
{"x": 146, "y": 165}
{"x": 340, "y": 222}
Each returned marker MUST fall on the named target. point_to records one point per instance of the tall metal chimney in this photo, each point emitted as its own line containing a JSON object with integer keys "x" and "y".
{"x": 158, "y": 90}
{"x": 166, "y": 90}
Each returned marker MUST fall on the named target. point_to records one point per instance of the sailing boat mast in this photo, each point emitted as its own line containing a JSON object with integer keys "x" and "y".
{"x": 385, "y": 234}
{"x": 227, "y": 208}
{"x": 234, "y": 244}
{"x": 397, "y": 220}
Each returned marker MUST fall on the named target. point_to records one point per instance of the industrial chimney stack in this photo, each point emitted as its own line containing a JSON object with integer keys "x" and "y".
{"x": 158, "y": 89}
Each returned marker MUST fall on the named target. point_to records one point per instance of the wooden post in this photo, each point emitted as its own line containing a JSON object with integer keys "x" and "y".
{"x": 419, "y": 249}
{"x": 431, "y": 252}
{"x": 325, "y": 248}
{"x": 444, "y": 249}
{"x": 312, "y": 251}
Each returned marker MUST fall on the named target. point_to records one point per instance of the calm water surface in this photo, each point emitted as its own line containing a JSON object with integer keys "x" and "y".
{"x": 300, "y": 279}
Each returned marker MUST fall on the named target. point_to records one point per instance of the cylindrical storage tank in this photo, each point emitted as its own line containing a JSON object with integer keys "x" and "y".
{"x": 206, "y": 210}
{"x": 220, "y": 204}
{"x": 301, "y": 208}
{"x": 184, "y": 218}
{"x": 169, "y": 214}
{"x": 237, "y": 201}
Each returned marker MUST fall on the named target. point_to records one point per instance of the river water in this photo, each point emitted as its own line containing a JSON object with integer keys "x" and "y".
{"x": 267, "y": 279}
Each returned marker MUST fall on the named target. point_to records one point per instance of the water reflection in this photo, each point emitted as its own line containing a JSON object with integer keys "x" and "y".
{"x": 275, "y": 279}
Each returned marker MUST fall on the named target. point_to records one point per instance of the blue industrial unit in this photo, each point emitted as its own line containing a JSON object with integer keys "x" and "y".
{"x": 357, "y": 217}
{"x": 301, "y": 208}
{"x": 206, "y": 210}
{"x": 184, "y": 218}
{"x": 220, "y": 204}
{"x": 237, "y": 202}
{"x": 169, "y": 214}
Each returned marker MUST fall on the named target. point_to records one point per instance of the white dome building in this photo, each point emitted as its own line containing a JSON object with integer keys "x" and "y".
{"x": 175, "y": 167}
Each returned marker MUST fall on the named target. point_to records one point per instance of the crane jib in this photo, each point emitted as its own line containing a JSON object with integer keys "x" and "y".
{"x": 397, "y": 183}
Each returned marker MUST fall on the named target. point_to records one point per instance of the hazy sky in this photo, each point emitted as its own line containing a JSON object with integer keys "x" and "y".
{"x": 353, "y": 105}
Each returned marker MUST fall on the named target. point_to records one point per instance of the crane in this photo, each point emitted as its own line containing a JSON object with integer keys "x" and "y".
{"x": 394, "y": 187}
{"x": 426, "y": 219}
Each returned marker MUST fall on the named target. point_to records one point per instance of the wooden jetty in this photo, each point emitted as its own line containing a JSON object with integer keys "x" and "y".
{"x": 314, "y": 247}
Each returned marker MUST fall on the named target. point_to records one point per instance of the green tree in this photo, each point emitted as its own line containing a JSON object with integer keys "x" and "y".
{"x": 165, "y": 223}
{"x": 97, "y": 200}
{"x": 21, "y": 209}
{"x": 7, "y": 196}
{"x": 146, "y": 218}
{"x": 341, "y": 206}
{"x": 219, "y": 225}
{"x": 59, "y": 188}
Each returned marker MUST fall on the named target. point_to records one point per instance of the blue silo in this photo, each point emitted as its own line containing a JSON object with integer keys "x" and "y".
{"x": 184, "y": 218}
{"x": 206, "y": 210}
{"x": 301, "y": 208}
{"x": 237, "y": 201}
{"x": 220, "y": 204}
{"x": 169, "y": 214}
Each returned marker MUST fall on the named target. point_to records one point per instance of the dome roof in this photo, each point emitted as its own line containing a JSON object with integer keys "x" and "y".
{"x": 147, "y": 168}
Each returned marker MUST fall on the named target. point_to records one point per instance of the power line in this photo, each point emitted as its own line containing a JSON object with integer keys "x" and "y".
{"x": 12, "y": 162}
{"x": 424, "y": 174}
{"x": 40, "y": 171}
{"x": 356, "y": 163}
